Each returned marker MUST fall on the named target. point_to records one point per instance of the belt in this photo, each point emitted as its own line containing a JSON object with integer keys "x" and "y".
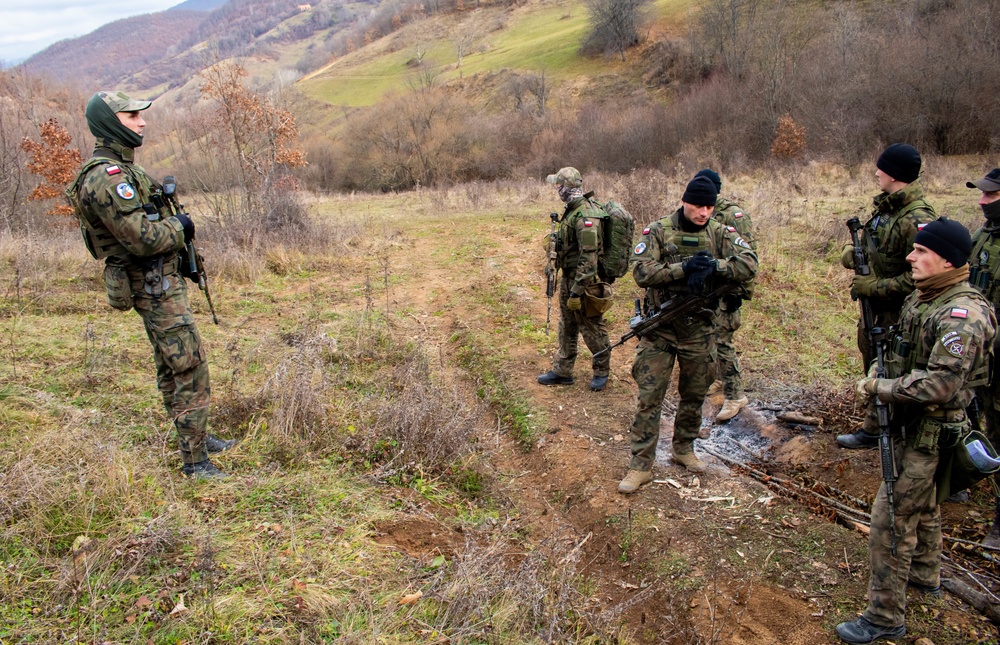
{"x": 949, "y": 416}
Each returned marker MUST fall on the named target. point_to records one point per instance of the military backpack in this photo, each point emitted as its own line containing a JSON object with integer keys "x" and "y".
{"x": 619, "y": 229}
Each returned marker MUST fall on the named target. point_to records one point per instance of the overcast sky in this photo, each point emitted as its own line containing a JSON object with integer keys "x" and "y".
{"x": 29, "y": 26}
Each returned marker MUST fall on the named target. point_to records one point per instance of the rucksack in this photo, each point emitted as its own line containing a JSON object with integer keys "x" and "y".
{"x": 619, "y": 229}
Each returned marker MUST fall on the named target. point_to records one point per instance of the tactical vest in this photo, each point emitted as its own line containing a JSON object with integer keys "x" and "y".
{"x": 679, "y": 246}
{"x": 984, "y": 264}
{"x": 96, "y": 236}
{"x": 908, "y": 351}
{"x": 883, "y": 266}
{"x": 569, "y": 253}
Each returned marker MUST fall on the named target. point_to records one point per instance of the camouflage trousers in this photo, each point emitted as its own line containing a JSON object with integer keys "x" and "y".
{"x": 181, "y": 362}
{"x": 651, "y": 369}
{"x": 573, "y": 324}
{"x": 918, "y": 538}
{"x": 728, "y": 365}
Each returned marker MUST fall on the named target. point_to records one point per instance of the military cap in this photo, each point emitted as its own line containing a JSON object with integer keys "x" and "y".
{"x": 122, "y": 102}
{"x": 988, "y": 184}
{"x": 901, "y": 161}
{"x": 567, "y": 176}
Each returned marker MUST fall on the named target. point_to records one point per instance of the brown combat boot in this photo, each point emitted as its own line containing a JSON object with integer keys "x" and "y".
{"x": 715, "y": 388}
{"x": 633, "y": 480}
{"x": 730, "y": 408}
{"x": 690, "y": 461}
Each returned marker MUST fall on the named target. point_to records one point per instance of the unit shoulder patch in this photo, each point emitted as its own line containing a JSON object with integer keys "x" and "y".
{"x": 125, "y": 190}
{"x": 953, "y": 343}
{"x": 639, "y": 248}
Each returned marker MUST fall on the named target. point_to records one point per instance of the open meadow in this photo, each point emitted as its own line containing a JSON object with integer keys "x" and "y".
{"x": 401, "y": 478}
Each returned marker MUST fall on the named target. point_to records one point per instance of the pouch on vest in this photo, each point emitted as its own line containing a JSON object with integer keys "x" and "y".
{"x": 597, "y": 298}
{"x": 968, "y": 458}
{"x": 118, "y": 286}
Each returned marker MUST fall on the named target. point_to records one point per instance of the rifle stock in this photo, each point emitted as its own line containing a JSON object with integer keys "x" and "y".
{"x": 551, "y": 271}
{"x": 674, "y": 308}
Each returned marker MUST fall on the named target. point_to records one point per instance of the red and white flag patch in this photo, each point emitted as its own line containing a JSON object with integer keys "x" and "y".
{"x": 920, "y": 227}
{"x": 645, "y": 231}
{"x": 959, "y": 312}
{"x": 587, "y": 223}
{"x": 737, "y": 214}
{"x": 113, "y": 170}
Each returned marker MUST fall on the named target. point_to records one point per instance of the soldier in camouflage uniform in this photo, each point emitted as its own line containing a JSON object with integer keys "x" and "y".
{"x": 685, "y": 253}
{"x": 984, "y": 275}
{"x": 898, "y": 213}
{"x": 579, "y": 242}
{"x": 940, "y": 352}
{"x": 126, "y": 222}
{"x": 738, "y": 221}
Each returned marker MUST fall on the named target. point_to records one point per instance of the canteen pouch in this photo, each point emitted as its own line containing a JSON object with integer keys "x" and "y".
{"x": 118, "y": 286}
{"x": 597, "y": 299}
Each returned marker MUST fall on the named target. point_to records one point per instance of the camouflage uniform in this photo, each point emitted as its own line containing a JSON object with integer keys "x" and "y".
{"x": 887, "y": 238}
{"x": 579, "y": 241}
{"x": 737, "y": 221}
{"x": 941, "y": 350}
{"x": 657, "y": 266}
{"x": 125, "y": 221}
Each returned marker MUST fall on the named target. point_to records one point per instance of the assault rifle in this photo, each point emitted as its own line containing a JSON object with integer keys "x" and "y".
{"x": 551, "y": 271}
{"x": 876, "y": 338}
{"x": 196, "y": 264}
{"x": 677, "y": 307}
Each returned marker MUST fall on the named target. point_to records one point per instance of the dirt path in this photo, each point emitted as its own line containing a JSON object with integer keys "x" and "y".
{"x": 712, "y": 559}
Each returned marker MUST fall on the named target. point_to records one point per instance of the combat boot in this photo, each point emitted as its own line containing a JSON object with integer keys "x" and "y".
{"x": 730, "y": 408}
{"x": 690, "y": 461}
{"x": 215, "y": 445}
{"x": 927, "y": 590}
{"x": 203, "y": 470}
{"x": 715, "y": 388}
{"x": 598, "y": 382}
{"x": 861, "y": 631}
{"x": 993, "y": 539}
{"x": 857, "y": 440}
{"x": 633, "y": 480}
{"x": 551, "y": 378}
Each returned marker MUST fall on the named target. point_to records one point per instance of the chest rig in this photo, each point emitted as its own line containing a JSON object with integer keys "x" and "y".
{"x": 984, "y": 264}
{"x": 910, "y": 347}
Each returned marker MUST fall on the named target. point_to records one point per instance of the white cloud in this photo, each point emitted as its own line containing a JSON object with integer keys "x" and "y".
{"x": 28, "y": 27}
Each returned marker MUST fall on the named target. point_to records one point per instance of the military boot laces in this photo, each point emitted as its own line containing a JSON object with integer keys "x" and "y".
{"x": 203, "y": 470}
{"x": 861, "y": 631}
{"x": 215, "y": 445}
{"x": 633, "y": 480}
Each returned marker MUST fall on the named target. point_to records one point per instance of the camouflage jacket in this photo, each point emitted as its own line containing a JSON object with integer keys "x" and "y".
{"x": 887, "y": 238}
{"x": 113, "y": 200}
{"x": 658, "y": 256}
{"x": 940, "y": 350}
{"x": 579, "y": 242}
{"x": 730, "y": 214}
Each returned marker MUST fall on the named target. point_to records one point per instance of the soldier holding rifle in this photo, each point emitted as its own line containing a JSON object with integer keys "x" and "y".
{"x": 128, "y": 222}
{"x": 682, "y": 256}
{"x": 886, "y": 239}
{"x": 939, "y": 353}
{"x": 578, "y": 243}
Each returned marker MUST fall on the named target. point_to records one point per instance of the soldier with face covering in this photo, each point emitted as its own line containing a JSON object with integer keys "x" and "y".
{"x": 126, "y": 222}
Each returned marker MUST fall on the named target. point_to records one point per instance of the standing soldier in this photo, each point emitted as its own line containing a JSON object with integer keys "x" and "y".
{"x": 940, "y": 352}
{"x": 126, "y": 222}
{"x": 579, "y": 241}
{"x": 734, "y": 218}
{"x": 899, "y": 212}
{"x": 685, "y": 253}
{"x": 985, "y": 275}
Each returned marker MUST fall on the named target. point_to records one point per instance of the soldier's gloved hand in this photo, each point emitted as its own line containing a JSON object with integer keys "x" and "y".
{"x": 864, "y": 285}
{"x": 698, "y": 262}
{"x": 188, "y": 226}
{"x": 847, "y": 256}
{"x": 864, "y": 390}
{"x": 574, "y": 303}
{"x": 184, "y": 268}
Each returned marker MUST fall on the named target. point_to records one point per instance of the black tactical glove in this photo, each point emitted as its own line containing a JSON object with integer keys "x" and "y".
{"x": 698, "y": 262}
{"x": 188, "y": 226}
{"x": 732, "y": 301}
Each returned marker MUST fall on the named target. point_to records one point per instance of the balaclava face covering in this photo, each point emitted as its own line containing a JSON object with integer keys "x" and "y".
{"x": 569, "y": 193}
{"x": 104, "y": 124}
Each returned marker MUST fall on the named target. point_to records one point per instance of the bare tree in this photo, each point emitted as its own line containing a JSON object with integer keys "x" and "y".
{"x": 616, "y": 25}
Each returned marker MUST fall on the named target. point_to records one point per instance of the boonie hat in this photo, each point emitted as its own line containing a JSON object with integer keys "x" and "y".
{"x": 122, "y": 102}
{"x": 988, "y": 184}
{"x": 567, "y": 176}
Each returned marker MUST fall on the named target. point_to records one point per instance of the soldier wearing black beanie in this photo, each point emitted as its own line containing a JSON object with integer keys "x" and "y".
{"x": 901, "y": 161}
{"x": 947, "y": 238}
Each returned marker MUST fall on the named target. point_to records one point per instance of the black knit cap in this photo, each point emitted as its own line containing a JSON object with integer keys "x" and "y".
{"x": 901, "y": 161}
{"x": 947, "y": 238}
{"x": 701, "y": 191}
{"x": 714, "y": 176}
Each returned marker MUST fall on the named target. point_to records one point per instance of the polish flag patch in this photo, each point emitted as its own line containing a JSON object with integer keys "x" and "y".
{"x": 958, "y": 312}
{"x": 920, "y": 227}
{"x": 731, "y": 229}
{"x": 587, "y": 223}
{"x": 113, "y": 170}
{"x": 738, "y": 215}
{"x": 645, "y": 231}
